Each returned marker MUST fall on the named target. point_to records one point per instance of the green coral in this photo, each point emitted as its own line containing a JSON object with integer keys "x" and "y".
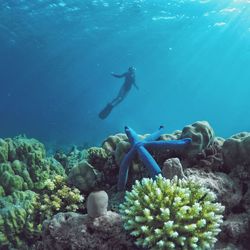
{"x": 26, "y": 166}
{"x": 172, "y": 214}
{"x": 16, "y": 220}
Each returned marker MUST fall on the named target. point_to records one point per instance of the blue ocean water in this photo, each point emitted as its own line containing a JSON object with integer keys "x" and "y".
{"x": 192, "y": 59}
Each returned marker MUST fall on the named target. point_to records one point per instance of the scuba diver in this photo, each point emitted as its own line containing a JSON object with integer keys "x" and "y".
{"x": 128, "y": 82}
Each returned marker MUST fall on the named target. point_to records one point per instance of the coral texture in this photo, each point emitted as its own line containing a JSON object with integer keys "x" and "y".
{"x": 32, "y": 188}
{"x": 16, "y": 218}
{"x": 83, "y": 176}
{"x": 202, "y": 135}
{"x": 176, "y": 214}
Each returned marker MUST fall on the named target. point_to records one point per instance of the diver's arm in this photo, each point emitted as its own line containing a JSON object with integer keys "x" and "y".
{"x": 118, "y": 76}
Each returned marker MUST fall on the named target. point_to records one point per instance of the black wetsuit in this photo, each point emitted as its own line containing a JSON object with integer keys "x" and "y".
{"x": 129, "y": 81}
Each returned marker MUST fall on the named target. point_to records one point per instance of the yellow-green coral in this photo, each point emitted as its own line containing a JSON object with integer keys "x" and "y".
{"x": 58, "y": 197}
{"x": 176, "y": 214}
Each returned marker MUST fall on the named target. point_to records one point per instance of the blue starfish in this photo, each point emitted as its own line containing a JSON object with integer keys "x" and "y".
{"x": 140, "y": 147}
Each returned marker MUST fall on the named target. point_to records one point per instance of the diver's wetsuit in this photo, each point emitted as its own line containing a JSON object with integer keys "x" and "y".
{"x": 129, "y": 81}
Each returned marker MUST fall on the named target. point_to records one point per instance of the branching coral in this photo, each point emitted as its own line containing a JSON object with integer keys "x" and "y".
{"x": 176, "y": 214}
{"x": 58, "y": 197}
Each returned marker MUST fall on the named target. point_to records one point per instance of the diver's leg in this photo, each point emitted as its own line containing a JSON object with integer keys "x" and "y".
{"x": 116, "y": 101}
{"x": 121, "y": 95}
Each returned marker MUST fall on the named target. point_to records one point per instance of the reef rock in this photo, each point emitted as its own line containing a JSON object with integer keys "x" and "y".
{"x": 75, "y": 231}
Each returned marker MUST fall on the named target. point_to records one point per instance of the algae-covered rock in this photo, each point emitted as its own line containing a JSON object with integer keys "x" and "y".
{"x": 236, "y": 150}
{"x": 202, "y": 136}
{"x": 83, "y": 176}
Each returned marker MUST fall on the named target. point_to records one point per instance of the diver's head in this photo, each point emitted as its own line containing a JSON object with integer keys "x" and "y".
{"x": 131, "y": 69}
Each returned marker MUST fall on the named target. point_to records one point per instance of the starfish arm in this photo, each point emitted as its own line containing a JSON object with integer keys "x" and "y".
{"x": 132, "y": 136}
{"x": 154, "y": 136}
{"x": 148, "y": 161}
{"x": 123, "y": 170}
{"x": 170, "y": 144}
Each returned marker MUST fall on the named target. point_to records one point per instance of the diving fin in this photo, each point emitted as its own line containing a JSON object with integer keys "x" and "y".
{"x": 106, "y": 111}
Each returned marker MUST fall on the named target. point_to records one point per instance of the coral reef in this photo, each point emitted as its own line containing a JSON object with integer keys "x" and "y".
{"x": 176, "y": 214}
{"x": 32, "y": 188}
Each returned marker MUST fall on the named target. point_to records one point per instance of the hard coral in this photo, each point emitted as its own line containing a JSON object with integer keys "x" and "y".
{"x": 176, "y": 214}
{"x": 202, "y": 135}
{"x": 236, "y": 150}
{"x": 16, "y": 218}
{"x": 83, "y": 176}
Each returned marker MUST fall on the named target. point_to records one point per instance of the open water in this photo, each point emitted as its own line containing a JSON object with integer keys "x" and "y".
{"x": 192, "y": 61}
